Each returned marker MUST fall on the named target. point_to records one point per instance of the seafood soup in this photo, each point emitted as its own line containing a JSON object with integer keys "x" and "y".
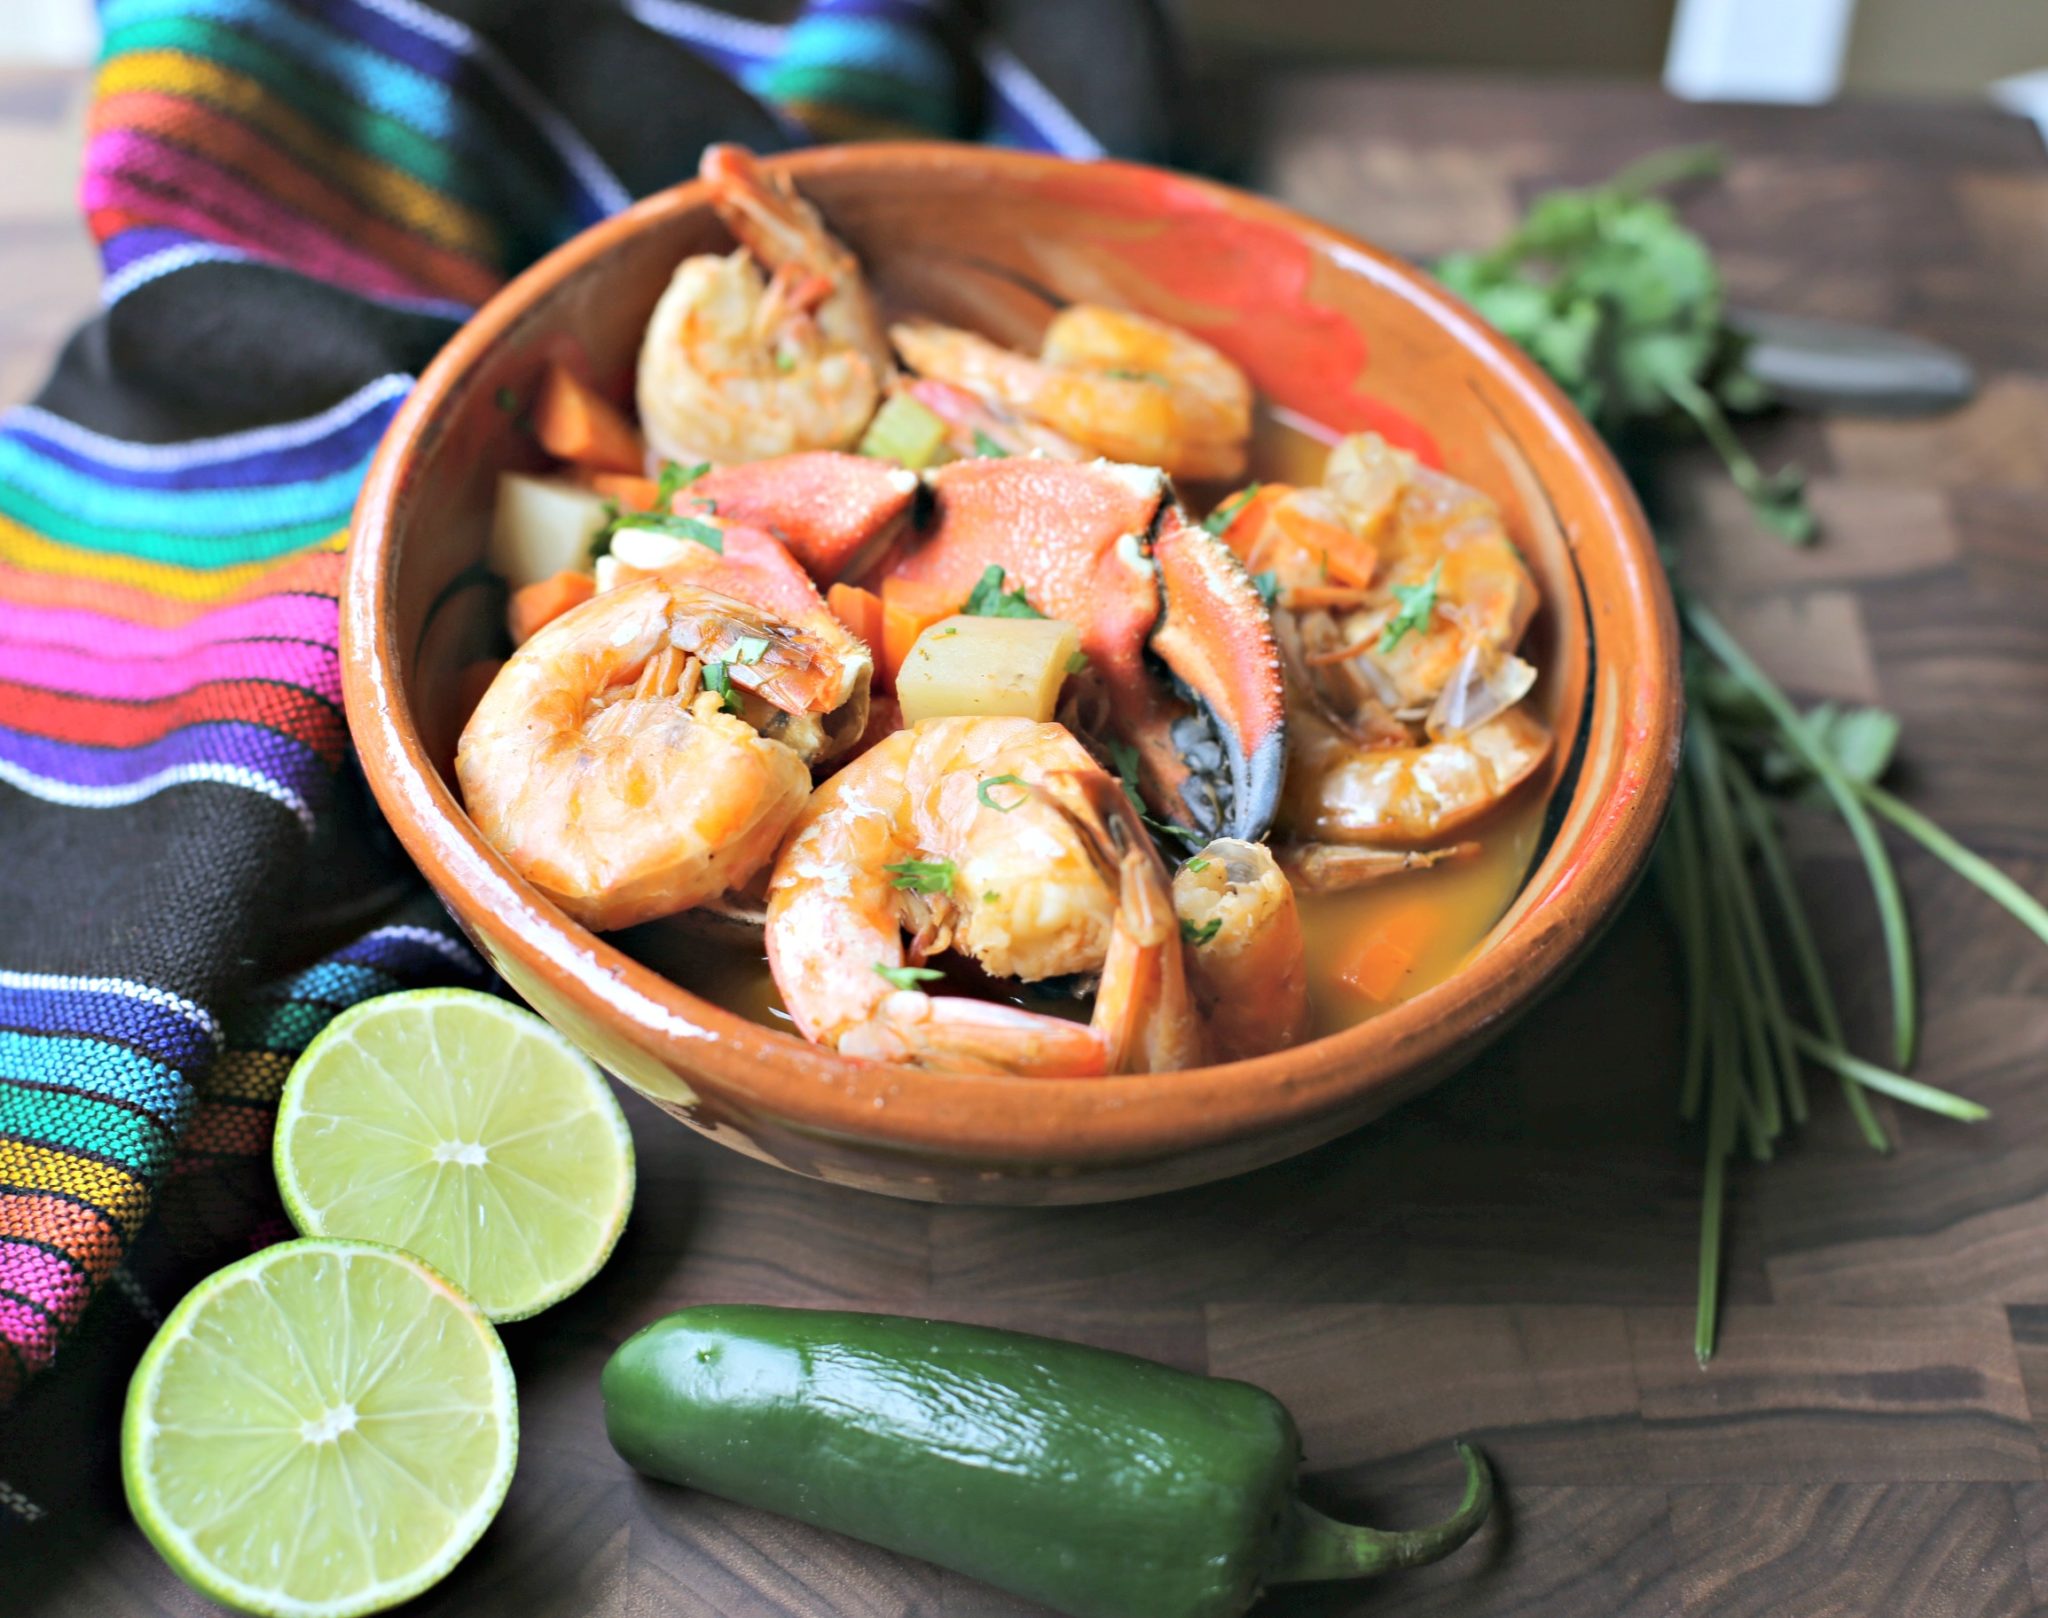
{"x": 1062, "y": 713}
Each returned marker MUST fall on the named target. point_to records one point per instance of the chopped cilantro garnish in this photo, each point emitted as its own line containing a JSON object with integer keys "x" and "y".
{"x": 1166, "y": 828}
{"x": 785, "y": 363}
{"x": 983, "y": 788}
{"x": 1224, "y": 515}
{"x": 751, "y": 649}
{"x": 906, "y": 977}
{"x": 1198, "y": 864}
{"x": 989, "y": 599}
{"x": 655, "y": 522}
{"x": 673, "y": 479}
{"x": 1268, "y": 586}
{"x": 1418, "y": 603}
{"x": 1202, "y": 934}
{"x": 1077, "y": 662}
{"x": 718, "y": 677}
{"x": 1124, "y": 757}
{"x": 921, "y": 876}
{"x": 987, "y": 448}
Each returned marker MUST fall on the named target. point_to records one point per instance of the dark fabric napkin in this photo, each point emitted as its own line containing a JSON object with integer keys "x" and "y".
{"x": 296, "y": 202}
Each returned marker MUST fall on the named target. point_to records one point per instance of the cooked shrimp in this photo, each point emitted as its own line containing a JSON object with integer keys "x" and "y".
{"x": 1246, "y": 961}
{"x": 610, "y": 772}
{"x": 1121, "y": 385}
{"x": 1005, "y": 840}
{"x": 756, "y": 568}
{"x": 1405, "y": 796}
{"x": 974, "y": 424}
{"x": 738, "y": 366}
{"x": 1409, "y": 595}
{"x": 1399, "y": 601}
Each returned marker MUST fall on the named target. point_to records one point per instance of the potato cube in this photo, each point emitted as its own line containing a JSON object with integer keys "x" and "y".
{"x": 987, "y": 666}
{"x": 542, "y": 526}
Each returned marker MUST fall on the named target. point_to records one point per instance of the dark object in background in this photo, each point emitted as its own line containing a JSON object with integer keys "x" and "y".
{"x": 1814, "y": 364}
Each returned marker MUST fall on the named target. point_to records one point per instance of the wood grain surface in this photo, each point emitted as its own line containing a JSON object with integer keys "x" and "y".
{"x": 1512, "y": 1258}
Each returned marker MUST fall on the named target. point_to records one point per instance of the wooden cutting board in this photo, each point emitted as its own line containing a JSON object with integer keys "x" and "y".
{"x": 1511, "y": 1258}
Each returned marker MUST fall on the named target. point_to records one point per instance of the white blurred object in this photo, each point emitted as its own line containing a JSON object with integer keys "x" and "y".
{"x": 1758, "y": 50}
{"x": 55, "y": 33}
{"x": 2027, "y": 95}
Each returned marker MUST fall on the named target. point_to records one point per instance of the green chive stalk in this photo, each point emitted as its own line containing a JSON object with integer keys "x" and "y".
{"x": 1722, "y": 862}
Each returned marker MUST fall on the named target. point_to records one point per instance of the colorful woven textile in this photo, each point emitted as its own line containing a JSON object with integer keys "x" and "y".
{"x": 296, "y": 200}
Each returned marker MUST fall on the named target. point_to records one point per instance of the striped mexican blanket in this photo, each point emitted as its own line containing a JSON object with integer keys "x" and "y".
{"x": 296, "y": 201}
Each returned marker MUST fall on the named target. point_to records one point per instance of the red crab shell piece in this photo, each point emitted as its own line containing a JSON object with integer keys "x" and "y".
{"x": 1105, "y": 547}
{"x": 1073, "y": 538}
{"x": 835, "y": 512}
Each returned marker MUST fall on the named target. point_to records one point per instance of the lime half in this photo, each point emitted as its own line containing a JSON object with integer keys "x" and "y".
{"x": 321, "y": 1429}
{"x": 463, "y": 1129}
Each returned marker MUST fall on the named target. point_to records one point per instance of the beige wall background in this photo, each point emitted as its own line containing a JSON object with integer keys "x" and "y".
{"x": 1896, "y": 47}
{"x": 1936, "y": 47}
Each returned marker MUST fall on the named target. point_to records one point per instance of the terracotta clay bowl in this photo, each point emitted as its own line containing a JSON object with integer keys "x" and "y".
{"x": 1328, "y": 327}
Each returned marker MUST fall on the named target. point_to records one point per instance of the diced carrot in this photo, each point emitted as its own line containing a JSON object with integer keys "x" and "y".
{"x": 632, "y": 493}
{"x": 1387, "y": 954}
{"x": 1248, "y": 521}
{"x": 909, "y": 608}
{"x": 860, "y": 610}
{"x": 472, "y": 680}
{"x": 899, "y": 633}
{"x": 1302, "y": 597}
{"x": 1347, "y": 559}
{"x": 574, "y": 422}
{"x": 534, "y": 606}
{"x": 927, "y": 603}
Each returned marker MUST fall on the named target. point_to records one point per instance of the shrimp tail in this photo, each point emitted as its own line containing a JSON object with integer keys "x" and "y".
{"x": 1144, "y": 1012}
{"x": 959, "y": 1035}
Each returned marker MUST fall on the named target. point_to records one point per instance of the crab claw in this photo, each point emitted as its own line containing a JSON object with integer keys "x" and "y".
{"x": 1217, "y": 636}
{"x": 835, "y": 512}
{"x": 1105, "y": 547}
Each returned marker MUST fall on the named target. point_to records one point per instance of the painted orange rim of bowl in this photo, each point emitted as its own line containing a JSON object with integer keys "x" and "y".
{"x": 1589, "y": 869}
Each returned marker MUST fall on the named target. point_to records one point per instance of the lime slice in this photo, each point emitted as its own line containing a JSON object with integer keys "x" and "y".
{"x": 321, "y": 1429}
{"x": 465, "y": 1130}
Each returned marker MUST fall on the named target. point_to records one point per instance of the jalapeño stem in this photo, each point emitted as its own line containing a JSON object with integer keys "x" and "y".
{"x": 1323, "y": 1548}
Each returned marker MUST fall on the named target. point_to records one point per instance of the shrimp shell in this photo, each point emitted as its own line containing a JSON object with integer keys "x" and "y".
{"x": 610, "y": 779}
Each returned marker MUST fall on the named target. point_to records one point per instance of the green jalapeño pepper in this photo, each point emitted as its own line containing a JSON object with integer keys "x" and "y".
{"x": 1096, "y": 1483}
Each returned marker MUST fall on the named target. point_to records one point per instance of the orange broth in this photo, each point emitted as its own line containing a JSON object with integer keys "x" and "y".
{"x": 1400, "y": 936}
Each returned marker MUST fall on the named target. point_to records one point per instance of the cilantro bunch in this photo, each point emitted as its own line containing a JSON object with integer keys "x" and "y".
{"x": 1621, "y": 304}
{"x": 1611, "y": 294}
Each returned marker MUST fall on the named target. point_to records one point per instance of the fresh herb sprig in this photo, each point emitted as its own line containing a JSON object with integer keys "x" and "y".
{"x": 670, "y": 482}
{"x": 990, "y": 598}
{"x": 922, "y": 876}
{"x": 1621, "y": 304}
